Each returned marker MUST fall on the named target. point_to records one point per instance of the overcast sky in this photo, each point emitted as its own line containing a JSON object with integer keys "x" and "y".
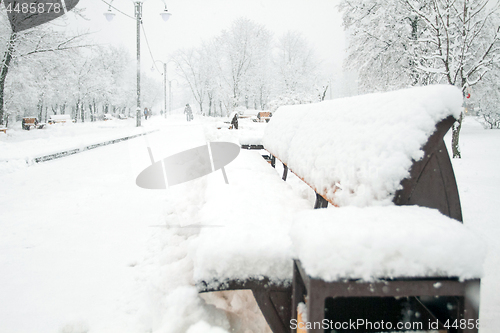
{"x": 195, "y": 20}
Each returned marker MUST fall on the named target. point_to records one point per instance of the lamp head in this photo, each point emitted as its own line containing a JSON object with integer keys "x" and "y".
{"x": 165, "y": 15}
{"x": 109, "y": 15}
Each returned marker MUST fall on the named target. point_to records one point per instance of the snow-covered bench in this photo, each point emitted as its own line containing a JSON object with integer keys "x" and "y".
{"x": 366, "y": 155}
{"x": 60, "y": 118}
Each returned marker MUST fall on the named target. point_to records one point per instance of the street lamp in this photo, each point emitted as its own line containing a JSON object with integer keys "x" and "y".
{"x": 165, "y": 15}
{"x": 138, "y": 17}
{"x": 109, "y": 15}
{"x": 164, "y": 85}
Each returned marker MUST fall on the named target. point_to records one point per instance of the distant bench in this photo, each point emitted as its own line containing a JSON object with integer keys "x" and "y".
{"x": 368, "y": 151}
{"x": 60, "y": 118}
{"x": 29, "y": 123}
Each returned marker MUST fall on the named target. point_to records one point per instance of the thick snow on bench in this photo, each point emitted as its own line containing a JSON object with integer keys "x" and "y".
{"x": 248, "y": 224}
{"x": 385, "y": 242}
{"x": 356, "y": 150}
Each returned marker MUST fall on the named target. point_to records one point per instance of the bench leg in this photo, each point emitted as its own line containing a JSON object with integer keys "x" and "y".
{"x": 275, "y": 306}
{"x": 285, "y": 172}
{"x": 320, "y": 202}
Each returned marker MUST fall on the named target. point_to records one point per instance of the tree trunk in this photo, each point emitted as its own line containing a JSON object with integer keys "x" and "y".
{"x": 323, "y": 95}
{"x": 40, "y": 110}
{"x": 458, "y": 124}
{"x": 77, "y": 110}
{"x": 3, "y": 72}
{"x": 456, "y": 136}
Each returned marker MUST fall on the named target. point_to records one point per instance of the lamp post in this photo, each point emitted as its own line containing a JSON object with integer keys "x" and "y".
{"x": 138, "y": 17}
{"x": 164, "y": 85}
{"x": 165, "y": 79}
{"x": 170, "y": 95}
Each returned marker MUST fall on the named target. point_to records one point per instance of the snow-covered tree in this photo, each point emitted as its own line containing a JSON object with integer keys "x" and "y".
{"x": 295, "y": 64}
{"x": 398, "y": 43}
{"x": 381, "y": 39}
{"x": 41, "y": 40}
{"x": 192, "y": 65}
{"x": 244, "y": 46}
{"x": 245, "y": 67}
{"x": 460, "y": 42}
{"x": 486, "y": 99}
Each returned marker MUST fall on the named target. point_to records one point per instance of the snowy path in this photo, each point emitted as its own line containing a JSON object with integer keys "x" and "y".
{"x": 72, "y": 231}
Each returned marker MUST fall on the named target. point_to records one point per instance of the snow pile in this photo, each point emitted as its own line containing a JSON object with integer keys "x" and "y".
{"x": 204, "y": 327}
{"x": 246, "y": 225}
{"x": 356, "y": 151}
{"x": 385, "y": 242}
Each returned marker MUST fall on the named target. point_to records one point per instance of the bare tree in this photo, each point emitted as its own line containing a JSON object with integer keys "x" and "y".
{"x": 192, "y": 66}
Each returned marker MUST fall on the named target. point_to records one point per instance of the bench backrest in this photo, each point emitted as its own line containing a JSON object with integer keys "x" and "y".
{"x": 373, "y": 149}
{"x": 29, "y": 120}
{"x": 60, "y": 118}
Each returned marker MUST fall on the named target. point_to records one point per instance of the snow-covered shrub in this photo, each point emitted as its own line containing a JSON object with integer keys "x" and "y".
{"x": 291, "y": 99}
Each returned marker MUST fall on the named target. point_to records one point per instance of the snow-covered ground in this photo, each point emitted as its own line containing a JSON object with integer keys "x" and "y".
{"x": 478, "y": 183}
{"x": 83, "y": 249}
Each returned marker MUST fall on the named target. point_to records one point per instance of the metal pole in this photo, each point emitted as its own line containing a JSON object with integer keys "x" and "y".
{"x": 170, "y": 96}
{"x": 138, "y": 15}
{"x": 165, "y": 89}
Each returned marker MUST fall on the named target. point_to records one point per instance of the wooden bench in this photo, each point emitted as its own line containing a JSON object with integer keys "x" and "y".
{"x": 406, "y": 163}
{"x": 30, "y": 123}
{"x": 60, "y": 119}
{"x": 3, "y": 130}
{"x": 264, "y": 116}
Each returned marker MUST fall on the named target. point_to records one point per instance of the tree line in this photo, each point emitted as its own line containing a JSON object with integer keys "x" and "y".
{"x": 46, "y": 71}
{"x": 246, "y": 67}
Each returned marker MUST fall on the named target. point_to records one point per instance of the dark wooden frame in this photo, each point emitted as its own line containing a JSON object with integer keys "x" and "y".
{"x": 317, "y": 291}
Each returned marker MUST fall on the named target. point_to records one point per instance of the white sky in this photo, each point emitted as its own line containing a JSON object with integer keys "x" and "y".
{"x": 195, "y": 20}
